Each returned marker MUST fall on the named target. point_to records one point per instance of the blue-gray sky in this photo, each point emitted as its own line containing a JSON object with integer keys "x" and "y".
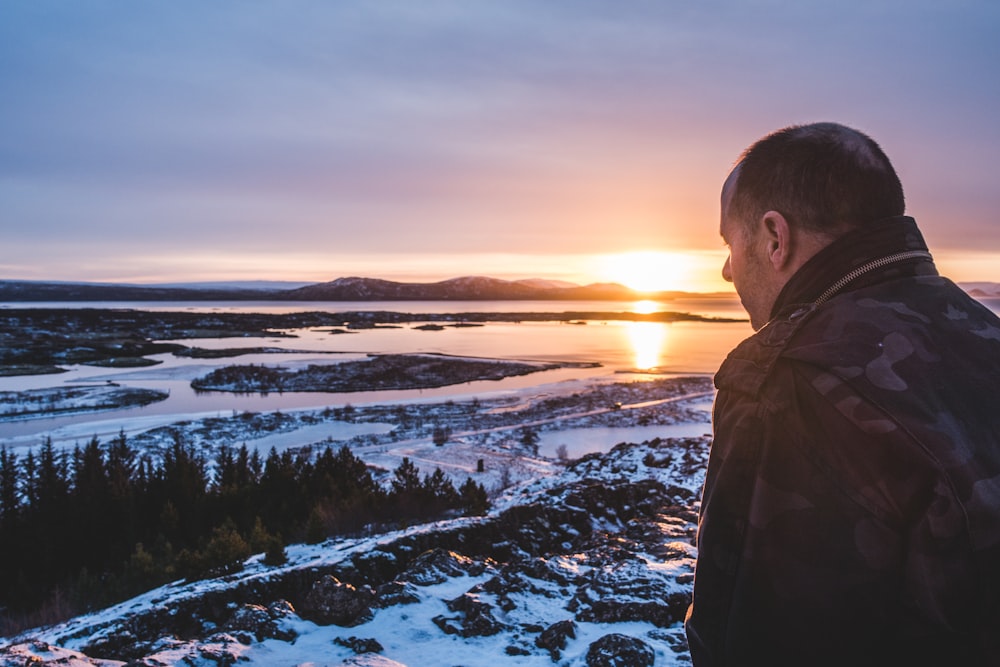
{"x": 306, "y": 140}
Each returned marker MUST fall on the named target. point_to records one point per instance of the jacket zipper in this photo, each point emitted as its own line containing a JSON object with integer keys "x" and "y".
{"x": 870, "y": 266}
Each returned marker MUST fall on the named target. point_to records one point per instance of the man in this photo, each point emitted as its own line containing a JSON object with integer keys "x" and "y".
{"x": 851, "y": 510}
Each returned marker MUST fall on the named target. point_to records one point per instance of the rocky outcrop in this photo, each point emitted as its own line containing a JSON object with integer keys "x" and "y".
{"x": 600, "y": 548}
{"x": 331, "y": 601}
{"x": 475, "y": 618}
{"x": 359, "y": 645}
{"x": 617, "y": 650}
{"x": 438, "y": 565}
{"x": 553, "y": 638}
{"x": 263, "y": 622}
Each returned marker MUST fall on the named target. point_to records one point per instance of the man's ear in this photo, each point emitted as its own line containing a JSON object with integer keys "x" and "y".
{"x": 778, "y": 240}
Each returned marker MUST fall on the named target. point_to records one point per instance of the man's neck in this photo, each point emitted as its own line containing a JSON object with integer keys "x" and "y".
{"x": 852, "y": 251}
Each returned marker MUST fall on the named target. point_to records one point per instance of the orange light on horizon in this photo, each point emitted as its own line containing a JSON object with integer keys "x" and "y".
{"x": 645, "y": 307}
{"x": 648, "y": 270}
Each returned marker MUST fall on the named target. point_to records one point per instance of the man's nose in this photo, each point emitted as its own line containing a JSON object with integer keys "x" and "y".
{"x": 727, "y": 271}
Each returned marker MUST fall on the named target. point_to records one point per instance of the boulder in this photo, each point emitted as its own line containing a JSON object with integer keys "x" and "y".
{"x": 262, "y": 622}
{"x": 553, "y": 638}
{"x": 437, "y": 566}
{"x": 333, "y": 602}
{"x": 626, "y": 589}
{"x": 617, "y": 650}
{"x": 370, "y": 660}
{"x": 359, "y": 645}
{"x": 476, "y": 619}
{"x": 393, "y": 593}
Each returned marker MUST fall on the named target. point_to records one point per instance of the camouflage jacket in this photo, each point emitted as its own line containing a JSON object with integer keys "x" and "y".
{"x": 851, "y": 510}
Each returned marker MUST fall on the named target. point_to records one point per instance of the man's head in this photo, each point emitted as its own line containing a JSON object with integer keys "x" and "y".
{"x": 791, "y": 194}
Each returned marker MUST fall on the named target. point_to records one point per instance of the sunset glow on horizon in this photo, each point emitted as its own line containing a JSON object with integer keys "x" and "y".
{"x": 651, "y": 271}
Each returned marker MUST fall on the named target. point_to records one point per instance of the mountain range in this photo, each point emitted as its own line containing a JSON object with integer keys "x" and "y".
{"x": 467, "y": 288}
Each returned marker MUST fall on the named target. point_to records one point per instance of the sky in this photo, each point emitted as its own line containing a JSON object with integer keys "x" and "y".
{"x": 570, "y": 140}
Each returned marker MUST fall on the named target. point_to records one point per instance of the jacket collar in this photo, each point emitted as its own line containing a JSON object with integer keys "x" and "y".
{"x": 860, "y": 257}
{"x": 886, "y": 249}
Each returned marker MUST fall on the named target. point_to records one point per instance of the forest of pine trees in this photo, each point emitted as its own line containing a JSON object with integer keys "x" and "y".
{"x": 83, "y": 528}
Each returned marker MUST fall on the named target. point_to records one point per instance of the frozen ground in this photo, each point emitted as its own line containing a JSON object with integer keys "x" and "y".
{"x": 598, "y": 555}
{"x": 496, "y": 429}
{"x": 607, "y": 575}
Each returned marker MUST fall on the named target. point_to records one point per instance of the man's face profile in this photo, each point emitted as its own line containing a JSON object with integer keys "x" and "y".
{"x": 744, "y": 267}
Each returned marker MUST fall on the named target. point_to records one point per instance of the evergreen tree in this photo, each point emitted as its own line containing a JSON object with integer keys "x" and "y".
{"x": 226, "y": 550}
{"x": 279, "y": 491}
{"x": 51, "y": 485}
{"x": 474, "y": 499}
{"x": 10, "y": 502}
{"x": 28, "y": 486}
{"x": 123, "y": 487}
{"x": 184, "y": 483}
{"x": 439, "y": 492}
{"x": 406, "y": 478}
{"x": 83, "y": 528}
{"x": 10, "y": 510}
{"x": 408, "y": 497}
{"x": 91, "y": 505}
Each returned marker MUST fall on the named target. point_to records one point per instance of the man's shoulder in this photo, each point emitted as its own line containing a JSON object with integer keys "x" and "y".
{"x": 922, "y": 317}
{"x": 918, "y": 318}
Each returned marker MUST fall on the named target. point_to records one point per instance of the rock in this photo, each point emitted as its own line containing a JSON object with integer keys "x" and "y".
{"x": 396, "y": 592}
{"x": 626, "y": 589}
{"x": 220, "y": 649}
{"x": 661, "y": 613}
{"x": 331, "y": 601}
{"x": 359, "y": 645}
{"x": 280, "y": 609}
{"x": 262, "y": 622}
{"x": 476, "y": 620}
{"x": 377, "y": 564}
{"x": 607, "y": 552}
{"x": 616, "y": 650}
{"x": 553, "y": 638}
{"x": 370, "y": 660}
{"x": 36, "y": 653}
{"x": 438, "y": 565}
{"x": 506, "y": 583}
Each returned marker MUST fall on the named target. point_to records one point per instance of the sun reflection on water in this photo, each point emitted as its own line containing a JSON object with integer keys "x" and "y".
{"x": 648, "y": 340}
{"x": 645, "y": 307}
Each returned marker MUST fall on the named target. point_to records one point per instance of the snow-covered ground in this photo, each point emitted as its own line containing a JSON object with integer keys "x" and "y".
{"x": 539, "y": 604}
{"x": 447, "y": 608}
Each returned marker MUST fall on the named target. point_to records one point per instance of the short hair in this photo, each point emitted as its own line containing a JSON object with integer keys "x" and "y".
{"x": 823, "y": 177}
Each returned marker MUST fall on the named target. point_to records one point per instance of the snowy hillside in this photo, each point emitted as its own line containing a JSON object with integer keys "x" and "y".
{"x": 591, "y": 565}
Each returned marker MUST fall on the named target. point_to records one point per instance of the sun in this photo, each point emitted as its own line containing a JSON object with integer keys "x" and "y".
{"x": 647, "y": 270}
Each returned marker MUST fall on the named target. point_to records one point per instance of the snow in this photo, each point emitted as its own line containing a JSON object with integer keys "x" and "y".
{"x": 580, "y": 441}
{"x": 407, "y": 632}
{"x": 328, "y": 431}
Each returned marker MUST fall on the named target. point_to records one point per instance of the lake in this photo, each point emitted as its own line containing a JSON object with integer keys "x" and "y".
{"x": 625, "y": 350}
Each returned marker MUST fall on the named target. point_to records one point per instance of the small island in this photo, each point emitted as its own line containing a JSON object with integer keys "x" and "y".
{"x": 74, "y": 399}
{"x": 378, "y": 372}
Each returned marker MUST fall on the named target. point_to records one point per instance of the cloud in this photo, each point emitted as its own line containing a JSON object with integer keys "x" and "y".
{"x": 466, "y": 126}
